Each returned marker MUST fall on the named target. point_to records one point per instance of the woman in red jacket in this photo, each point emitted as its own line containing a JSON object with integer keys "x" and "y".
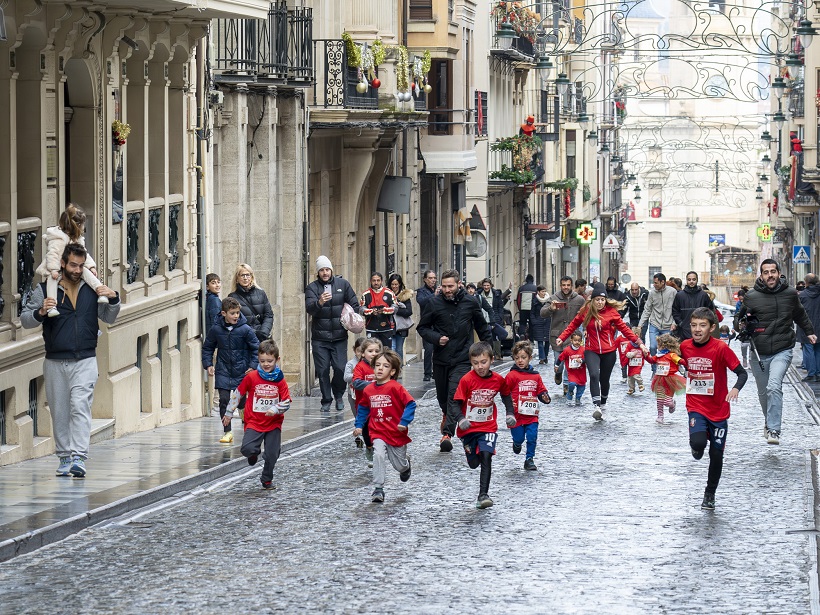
{"x": 601, "y": 322}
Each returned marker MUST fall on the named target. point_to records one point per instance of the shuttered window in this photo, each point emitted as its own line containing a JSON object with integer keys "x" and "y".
{"x": 421, "y": 9}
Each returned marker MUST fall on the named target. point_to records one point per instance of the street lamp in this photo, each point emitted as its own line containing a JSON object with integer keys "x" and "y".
{"x": 543, "y": 66}
{"x": 805, "y": 32}
{"x": 766, "y": 161}
{"x": 505, "y": 35}
{"x": 779, "y": 119}
{"x": 759, "y": 193}
{"x": 583, "y": 120}
{"x": 766, "y": 137}
{"x": 604, "y": 149}
{"x": 793, "y": 60}
{"x": 764, "y": 179}
{"x": 592, "y": 137}
{"x": 637, "y": 190}
{"x": 778, "y": 87}
{"x": 562, "y": 83}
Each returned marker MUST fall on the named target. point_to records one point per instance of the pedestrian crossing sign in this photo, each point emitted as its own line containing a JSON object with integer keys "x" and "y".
{"x": 801, "y": 255}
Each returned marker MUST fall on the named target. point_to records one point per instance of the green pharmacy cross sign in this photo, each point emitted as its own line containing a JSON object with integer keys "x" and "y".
{"x": 586, "y": 233}
{"x": 764, "y": 231}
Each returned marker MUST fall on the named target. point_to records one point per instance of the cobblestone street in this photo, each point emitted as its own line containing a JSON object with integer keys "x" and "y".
{"x": 610, "y": 522}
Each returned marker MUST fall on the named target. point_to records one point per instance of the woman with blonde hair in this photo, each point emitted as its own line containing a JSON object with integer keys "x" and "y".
{"x": 253, "y": 301}
{"x": 601, "y": 322}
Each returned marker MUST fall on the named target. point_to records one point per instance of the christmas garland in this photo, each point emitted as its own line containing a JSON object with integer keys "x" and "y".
{"x": 568, "y": 183}
{"x": 402, "y": 69}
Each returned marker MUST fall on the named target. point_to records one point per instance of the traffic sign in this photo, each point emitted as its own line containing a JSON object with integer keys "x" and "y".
{"x": 611, "y": 243}
{"x": 801, "y": 255}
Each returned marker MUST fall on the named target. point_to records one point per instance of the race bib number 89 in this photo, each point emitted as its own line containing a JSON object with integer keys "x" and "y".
{"x": 479, "y": 414}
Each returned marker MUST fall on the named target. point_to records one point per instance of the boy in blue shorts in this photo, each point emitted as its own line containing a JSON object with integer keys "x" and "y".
{"x": 477, "y": 430}
{"x": 707, "y": 397}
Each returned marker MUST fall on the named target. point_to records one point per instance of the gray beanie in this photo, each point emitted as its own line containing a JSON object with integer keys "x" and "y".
{"x": 323, "y": 262}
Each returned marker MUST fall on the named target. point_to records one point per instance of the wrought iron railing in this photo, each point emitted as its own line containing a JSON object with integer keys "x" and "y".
{"x": 154, "y": 220}
{"x": 279, "y": 48}
{"x": 522, "y": 43}
{"x": 132, "y": 248}
{"x": 25, "y": 266}
{"x": 173, "y": 236}
{"x": 335, "y": 82}
{"x": 797, "y": 101}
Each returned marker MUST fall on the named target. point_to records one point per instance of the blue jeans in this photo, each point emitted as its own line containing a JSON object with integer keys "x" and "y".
{"x": 530, "y": 432}
{"x": 398, "y": 346}
{"x": 543, "y": 350}
{"x": 770, "y": 385}
{"x": 811, "y": 358}
{"x": 577, "y": 389}
{"x": 654, "y": 333}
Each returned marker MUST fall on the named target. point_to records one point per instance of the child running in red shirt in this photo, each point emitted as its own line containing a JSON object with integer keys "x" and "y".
{"x": 527, "y": 389}
{"x": 388, "y": 409}
{"x": 707, "y": 397}
{"x": 666, "y": 383}
{"x": 573, "y": 358}
{"x": 634, "y": 364}
{"x": 362, "y": 377}
{"x": 268, "y": 398}
{"x": 477, "y": 430}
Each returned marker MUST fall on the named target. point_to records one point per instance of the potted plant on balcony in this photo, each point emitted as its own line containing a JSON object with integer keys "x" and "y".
{"x": 522, "y": 19}
{"x": 119, "y": 133}
{"x": 523, "y": 148}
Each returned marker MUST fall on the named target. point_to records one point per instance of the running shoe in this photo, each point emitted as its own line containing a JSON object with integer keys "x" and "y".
{"x": 708, "y": 501}
{"x": 405, "y": 476}
{"x": 378, "y": 495}
{"x": 227, "y": 438}
{"x": 483, "y": 501}
{"x": 64, "y": 467}
{"x": 77, "y": 467}
{"x": 529, "y": 464}
{"x": 516, "y": 448}
{"x": 774, "y": 437}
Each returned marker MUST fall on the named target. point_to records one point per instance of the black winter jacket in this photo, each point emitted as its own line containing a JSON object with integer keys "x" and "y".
{"x": 238, "y": 352}
{"x": 616, "y": 294}
{"x": 775, "y": 309}
{"x": 635, "y": 306}
{"x": 423, "y": 296}
{"x": 686, "y": 302}
{"x": 325, "y": 325}
{"x": 256, "y": 309}
{"x": 499, "y": 300}
{"x": 539, "y": 326}
{"x": 810, "y": 299}
{"x": 455, "y": 319}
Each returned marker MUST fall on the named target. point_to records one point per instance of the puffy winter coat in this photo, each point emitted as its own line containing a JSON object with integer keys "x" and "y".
{"x": 810, "y": 299}
{"x": 54, "y": 243}
{"x": 325, "y": 325}
{"x": 560, "y": 318}
{"x": 456, "y": 319}
{"x": 539, "y": 326}
{"x": 213, "y": 307}
{"x": 775, "y": 309}
{"x": 526, "y": 293}
{"x": 256, "y": 309}
{"x": 686, "y": 302}
{"x": 600, "y": 335}
{"x": 636, "y": 305}
{"x": 238, "y": 347}
{"x": 405, "y": 297}
{"x": 617, "y": 295}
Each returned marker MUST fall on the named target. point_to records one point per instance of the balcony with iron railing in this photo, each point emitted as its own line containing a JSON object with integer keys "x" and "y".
{"x": 797, "y": 99}
{"x": 523, "y": 22}
{"x": 278, "y": 50}
{"x": 516, "y": 161}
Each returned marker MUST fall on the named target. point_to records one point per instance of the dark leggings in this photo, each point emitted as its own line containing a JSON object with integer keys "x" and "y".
{"x": 698, "y": 443}
{"x": 599, "y": 367}
{"x": 485, "y": 460}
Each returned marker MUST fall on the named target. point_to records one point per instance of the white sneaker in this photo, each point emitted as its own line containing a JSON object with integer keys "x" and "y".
{"x": 659, "y": 419}
{"x": 774, "y": 437}
{"x": 102, "y": 299}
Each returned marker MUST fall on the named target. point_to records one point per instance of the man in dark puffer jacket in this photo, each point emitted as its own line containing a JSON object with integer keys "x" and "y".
{"x": 687, "y": 301}
{"x": 324, "y": 299}
{"x": 772, "y": 307}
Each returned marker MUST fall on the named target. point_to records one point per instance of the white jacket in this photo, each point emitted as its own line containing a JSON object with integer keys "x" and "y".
{"x": 54, "y": 243}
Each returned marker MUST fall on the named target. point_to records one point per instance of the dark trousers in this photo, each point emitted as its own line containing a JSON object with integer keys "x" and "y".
{"x": 524, "y": 323}
{"x": 224, "y": 398}
{"x": 428, "y": 358}
{"x": 327, "y": 355}
{"x": 252, "y": 445}
{"x": 599, "y": 367}
{"x": 385, "y": 337}
{"x": 447, "y": 378}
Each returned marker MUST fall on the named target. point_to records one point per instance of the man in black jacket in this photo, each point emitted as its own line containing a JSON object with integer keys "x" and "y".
{"x": 70, "y": 366}
{"x": 324, "y": 299}
{"x": 448, "y": 322}
{"x": 523, "y": 302}
{"x": 635, "y": 303}
{"x": 423, "y": 296}
{"x": 810, "y": 298}
{"x": 767, "y": 312}
{"x": 616, "y": 294}
{"x": 497, "y": 300}
{"x": 687, "y": 301}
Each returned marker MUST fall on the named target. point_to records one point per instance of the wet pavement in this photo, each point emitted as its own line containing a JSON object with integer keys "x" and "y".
{"x": 611, "y": 522}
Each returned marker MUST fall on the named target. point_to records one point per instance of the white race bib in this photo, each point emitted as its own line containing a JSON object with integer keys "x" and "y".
{"x": 528, "y": 406}
{"x": 479, "y": 414}
{"x": 265, "y": 404}
{"x": 575, "y": 362}
{"x": 700, "y": 384}
{"x": 636, "y": 361}
{"x": 662, "y": 369}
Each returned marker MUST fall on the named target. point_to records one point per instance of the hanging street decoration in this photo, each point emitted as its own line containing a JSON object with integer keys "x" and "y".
{"x": 586, "y": 233}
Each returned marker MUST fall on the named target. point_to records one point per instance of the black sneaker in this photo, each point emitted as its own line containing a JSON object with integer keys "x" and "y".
{"x": 708, "y": 501}
{"x": 483, "y": 501}
{"x": 267, "y": 484}
{"x": 427, "y": 378}
{"x": 405, "y": 476}
{"x": 558, "y": 378}
{"x": 696, "y": 454}
{"x": 516, "y": 448}
{"x": 252, "y": 459}
{"x": 378, "y": 495}
{"x": 529, "y": 464}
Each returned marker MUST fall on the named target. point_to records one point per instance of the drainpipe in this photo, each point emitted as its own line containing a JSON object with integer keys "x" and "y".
{"x": 202, "y": 247}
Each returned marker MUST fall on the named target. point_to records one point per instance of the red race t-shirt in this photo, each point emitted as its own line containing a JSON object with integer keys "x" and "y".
{"x": 362, "y": 371}
{"x": 635, "y": 362}
{"x": 525, "y": 387}
{"x": 624, "y": 346}
{"x": 706, "y": 379}
{"x": 263, "y": 395}
{"x": 386, "y": 403}
{"x": 573, "y": 360}
{"x": 476, "y": 394}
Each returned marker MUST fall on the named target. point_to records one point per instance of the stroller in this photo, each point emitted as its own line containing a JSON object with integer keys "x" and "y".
{"x": 513, "y": 334}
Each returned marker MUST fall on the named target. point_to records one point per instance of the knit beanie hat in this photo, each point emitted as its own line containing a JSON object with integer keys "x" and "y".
{"x": 598, "y": 290}
{"x": 323, "y": 262}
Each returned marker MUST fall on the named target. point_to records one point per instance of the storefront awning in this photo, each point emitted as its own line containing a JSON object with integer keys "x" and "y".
{"x": 449, "y": 162}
